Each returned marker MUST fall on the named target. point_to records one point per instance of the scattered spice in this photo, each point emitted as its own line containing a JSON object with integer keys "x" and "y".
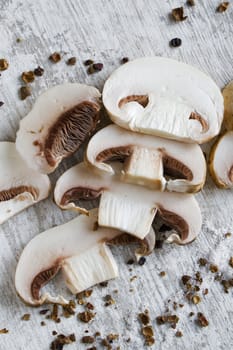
{"x": 26, "y": 317}
{"x": 202, "y": 320}
{"x": 55, "y": 57}
{"x": 124, "y": 60}
{"x": 71, "y": 61}
{"x": 1, "y": 103}
{"x": 223, "y": 6}
{"x": 109, "y": 300}
{"x": 141, "y": 261}
{"x": 198, "y": 277}
{"x": 167, "y": 319}
{"x": 19, "y": 40}
{"x": 176, "y": 42}
{"x": 28, "y": 77}
{"x": 130, "y": 262}
{"x": 205, "y": 291}
{"x": 191, "y": 314}
{"x": 149, "y": 341}
{"x": 97, "y": 334}
{"x": 196, "y": 299}
{"x": 89, "y": 306}
{"x": 197, "y": 288}
{"x": 24, "y": 92}
{"x": 185, "y": 279}
{"x": 144, "y": 317}
{"x": 3, "y": 64}
{"x": 178, "y": 14}
{"x": 202, "y": 262}
{"x": 231, "y": 261}
{"x": 84, "y": 294}
{"x": 227, "y": 284}
{"x": 191, "y": 2}
{"x": 133, "y": 278}
{"x": 162, "y": 273}
{"x": 86, "y": 316}
{"x": 111, "y": 337}
{"x": 43, "y": 323}
{"x": 213, "y": 268}
{"x": 92, "y": 348}
{"x": 39, "y": 71}
{"x": 88, "y": 339}
{"x": 147, "y": 331}
{"x": 227, "y": 235}
{"x": 44, "y": 311}
{"x": 69, "y": 309}
{"x": 179, "y": 334}
{"x": 4, "y": 331}
{"x": 88, "y": 62}
{"x": 103, "y": 284}
{"x": 54, "y": 332}
{"x": 62, "y": 340}
{"x": 95, "y": 67}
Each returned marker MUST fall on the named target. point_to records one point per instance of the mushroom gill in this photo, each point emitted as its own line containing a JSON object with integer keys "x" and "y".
{"x": 70, "y": 130}
{"x": 174, "y": 221}
{"x": 13, "y": 192}
{"x": 143, "y": 100}
{"x": 230, "y": 174}
{"x": 201, "y": 120}
{"x": 80, "y": 193}
{"x": 176, "y": 169}
{"x": 41, "y": 279}
{"x": 115, "y": 153}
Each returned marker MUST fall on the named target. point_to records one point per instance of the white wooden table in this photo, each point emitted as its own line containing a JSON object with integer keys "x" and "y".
{"x": 108, "y": 30}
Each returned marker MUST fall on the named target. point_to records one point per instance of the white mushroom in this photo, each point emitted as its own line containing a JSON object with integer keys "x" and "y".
{"x": 20, "y": 186}
{"x": 158, "y": 163}
{"x": 221, "y": 161}
{"x": 59, "y": 122}
{"x": 228, "y": 105}
{"x": 75, "y": 248}
{"x": 164, "y": 97}
{"x": 127, "y": 207}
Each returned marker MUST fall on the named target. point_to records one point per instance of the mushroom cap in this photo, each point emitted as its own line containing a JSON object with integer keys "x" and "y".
{"x": 20, "y": 186}
{"x": 127, "y": 207}
{"x": 228, "y": 105}
{"x": 221, "y": 161}
{"x": 164, "y": 97}
{"x": 62, "y": 117}
{"x": 184, "y": 162}
{"x": 75, "y": 248}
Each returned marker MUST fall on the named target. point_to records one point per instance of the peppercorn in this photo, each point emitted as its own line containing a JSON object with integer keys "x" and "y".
{"x": 176, "y": 42}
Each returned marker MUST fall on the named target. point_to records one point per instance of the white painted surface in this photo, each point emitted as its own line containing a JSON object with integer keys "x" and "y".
{"x": 107, "y": 31}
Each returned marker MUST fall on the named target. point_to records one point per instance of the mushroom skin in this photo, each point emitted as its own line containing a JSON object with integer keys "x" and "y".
{"x": 60, "y": 121}
{"x": 148, "y": 160}
{"x": 228, "y": 105}
{"x": 164, "y": 97}
{"x": 221, "y": 161}
{"x": 127, "y": 207}
{"x": 76, "y": 248}
{"x": 20, "y": 186}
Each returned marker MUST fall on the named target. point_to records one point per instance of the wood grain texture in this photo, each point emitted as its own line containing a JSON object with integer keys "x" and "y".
{"x": 108, "y": 30}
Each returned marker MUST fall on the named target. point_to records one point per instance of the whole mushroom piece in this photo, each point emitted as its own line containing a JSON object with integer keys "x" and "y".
{"x": 127, "y": 207}
{"x": 164, "y": 97}
{"x": 20, "y": 186}
{"x": 61, "y": 119}
{"x": 221, "y": 161}
{"x": 150, "y": 161}
{"x": 228, "y": 105}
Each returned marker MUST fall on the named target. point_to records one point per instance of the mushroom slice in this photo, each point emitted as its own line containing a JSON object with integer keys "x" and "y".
{"x": 228, "y": 105}
{"x": 61, "y": 119}
{"x": 75, "y": 248}
{"x": 148, "y": 160}
{"x": 20, "y": 186}
{"x": 164, "y": 97}
{"x": 127, "y": 207}
{"x": 221, "y": 161}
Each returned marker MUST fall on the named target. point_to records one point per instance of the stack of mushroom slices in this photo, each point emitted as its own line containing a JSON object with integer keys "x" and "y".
{"x": 140, "y": 170}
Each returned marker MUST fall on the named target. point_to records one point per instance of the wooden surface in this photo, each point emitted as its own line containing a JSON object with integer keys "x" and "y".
{"x": 108, "y": 30}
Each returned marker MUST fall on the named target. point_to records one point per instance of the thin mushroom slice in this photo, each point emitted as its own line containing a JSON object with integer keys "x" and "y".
{"x": 164, "y": 97}
{"x": 228, "y": 105}
{"x": 60, "y": 121}
{"x": 126, "y": 207}
{"x": 77, "y": 249}
{"x": 221, "y": 161}
{"x": 20, "y": 186}
{"x": 148, "y": 160}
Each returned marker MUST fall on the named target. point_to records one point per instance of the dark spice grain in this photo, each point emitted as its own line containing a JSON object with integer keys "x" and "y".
{"x": 176, "y": 42}
{"x": 178, "y": 14}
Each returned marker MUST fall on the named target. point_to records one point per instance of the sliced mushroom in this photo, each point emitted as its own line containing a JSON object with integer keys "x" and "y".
{"x": 228, "y": 105}
{"x": 20, "y": 186}
{"x": 163, "y": 97}
{"x": 148, "y": 160}
{"x": 221, "y": 161}
{"x": 59, "y": 122}
{"x": 127, "y": 207}
{"x": 75, "y": 248}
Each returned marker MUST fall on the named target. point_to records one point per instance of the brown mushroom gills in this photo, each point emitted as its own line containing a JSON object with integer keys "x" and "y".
{"x": 201, "y": 120}
{"x": 42, "y": 279}
{"x": 70, "y": 131}
{"x": 13, "y": 192}
{"x": 172, "y": 167}
{"x": 126, "y": 239}
{"x": 143, "y": 100}
{"x": 230, "y": 174}
{"x": 175, "y": 222}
